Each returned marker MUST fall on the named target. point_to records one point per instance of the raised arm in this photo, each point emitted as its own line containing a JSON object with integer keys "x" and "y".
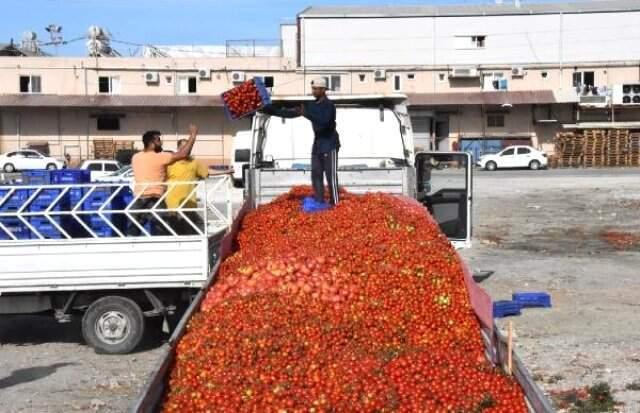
{"x": 185, "y": 150}
{"x": 283, "y": 112}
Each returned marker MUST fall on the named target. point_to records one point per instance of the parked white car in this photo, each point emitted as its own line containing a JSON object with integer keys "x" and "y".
{"x": 124, "y": 174}
{"x": 27, "y": 159}
{"x": 514, "y": 157}
{"x": 100, "y": 168}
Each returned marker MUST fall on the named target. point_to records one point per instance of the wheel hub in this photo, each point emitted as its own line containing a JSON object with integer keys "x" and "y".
{"x": 112, "y": 327}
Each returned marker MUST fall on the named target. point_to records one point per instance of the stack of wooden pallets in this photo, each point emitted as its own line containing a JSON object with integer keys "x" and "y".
{"x": 569, "y": 149}
{"x": 633, "y": 156}
{"x": 617, "y": 147}
{"x": 108, "y": 148}
{"x": 595, "y": 148}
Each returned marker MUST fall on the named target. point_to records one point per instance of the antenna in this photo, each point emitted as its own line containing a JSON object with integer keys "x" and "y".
{"x": 55, "y": 32}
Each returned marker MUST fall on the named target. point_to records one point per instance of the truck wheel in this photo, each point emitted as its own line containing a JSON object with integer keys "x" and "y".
{"x": 113, "y": 325}
{"x": 9, "y": 168}
{"x": 534, "y": 165}
{"x": 491, "y": 166}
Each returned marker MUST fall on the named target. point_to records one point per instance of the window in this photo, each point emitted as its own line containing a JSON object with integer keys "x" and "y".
{"x": 334, "y": 82}
{"x": 111, "y": 167}
{"x": 495, "y": 120}
{"x": 469, "y": 42}
{"x": 583, "y": 79}
{"x": 494, "y": 81}
{"x": 31, "y": 154}
{"x": 243, "y": 155}
{"x": 187, "y": 85}
{"x": 108, "y": 123}
{"x": 362, "y": 77}
{"x": 95, "y": 167}
{"x": 411, "y": 76}
{"x": 524, "y": 151}
{"x": 108, "y": 84}
{"x": 30, "y": 84}
{"x": 508, "y": 152}
{"x": 397, "y": 83}
{"x": 268, "y": 81}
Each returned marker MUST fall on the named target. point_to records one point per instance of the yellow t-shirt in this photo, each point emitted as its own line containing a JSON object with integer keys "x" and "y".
{"x": 150, "y": 167}
{"x": 188, "y": 170}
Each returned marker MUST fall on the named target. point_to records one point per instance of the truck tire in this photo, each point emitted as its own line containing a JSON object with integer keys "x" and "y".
{"x": 113, "y": 325}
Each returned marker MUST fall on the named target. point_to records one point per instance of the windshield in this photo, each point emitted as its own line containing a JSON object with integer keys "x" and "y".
{"x": 367, "y": 138}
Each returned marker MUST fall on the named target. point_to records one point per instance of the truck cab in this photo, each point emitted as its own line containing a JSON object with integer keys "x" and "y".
{"x": 376, "y": 152}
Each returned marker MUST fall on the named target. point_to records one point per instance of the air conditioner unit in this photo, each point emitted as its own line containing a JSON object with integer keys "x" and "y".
{"x": 517, "y": 71}
{"x": 151, "y": 77}
{"x": 238, "y": 77}
{"x": 627, "y": 94}
{"x": 463, "y": 72}
{"x": 594, "y": 100}
{"x": 204, "y": 73}
{"x": 380, "y": 74}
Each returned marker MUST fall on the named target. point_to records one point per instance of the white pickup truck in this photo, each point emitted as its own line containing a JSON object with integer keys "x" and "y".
{"x": 65, "y": 251}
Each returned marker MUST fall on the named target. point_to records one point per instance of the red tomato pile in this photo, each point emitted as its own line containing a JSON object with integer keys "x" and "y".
{"x": 362, "y": 308}
{"x": 242, "y": 99}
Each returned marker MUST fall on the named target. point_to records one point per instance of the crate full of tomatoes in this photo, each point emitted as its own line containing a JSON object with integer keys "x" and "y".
{"x": 361, "y": 308}
{"x": 245, "y": 99}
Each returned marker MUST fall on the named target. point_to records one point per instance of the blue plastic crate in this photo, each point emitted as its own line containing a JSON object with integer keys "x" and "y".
{"x": 16, "y": 227}
{"x": 310, "y": 205}
{"x": 532, "y": 299}
{"x": 70, "y": 176}
{"x": 13, "y": 201}
{"x": 36, "y": 177}
{"x": 45, "y": 228}
{"x": 506, "y": 308}
{"x": 264, "y": 95}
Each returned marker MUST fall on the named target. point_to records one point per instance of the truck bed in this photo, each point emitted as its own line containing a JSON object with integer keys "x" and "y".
{"x": 150, "y": 399}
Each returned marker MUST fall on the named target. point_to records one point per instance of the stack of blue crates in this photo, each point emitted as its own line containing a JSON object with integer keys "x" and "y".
{"x": 12, "y": 203}
{"x": 46, "y": 199}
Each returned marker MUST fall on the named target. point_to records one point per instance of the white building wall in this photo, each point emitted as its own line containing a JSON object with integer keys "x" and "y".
{"x": 511, "y": 39}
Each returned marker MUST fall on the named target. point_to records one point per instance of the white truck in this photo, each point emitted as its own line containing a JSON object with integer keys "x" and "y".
{"x": 65, "y": 251}
{"x": 376, "y": 154}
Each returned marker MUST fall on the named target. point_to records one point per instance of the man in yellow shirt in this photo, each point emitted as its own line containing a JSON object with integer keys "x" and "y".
{"x": 185, "y": 170}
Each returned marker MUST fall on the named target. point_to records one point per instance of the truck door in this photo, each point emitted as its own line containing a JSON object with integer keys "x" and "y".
{"x": 444, "y": 186}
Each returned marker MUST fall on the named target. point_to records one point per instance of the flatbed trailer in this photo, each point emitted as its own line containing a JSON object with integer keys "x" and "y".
{"x": 151, "y": 396}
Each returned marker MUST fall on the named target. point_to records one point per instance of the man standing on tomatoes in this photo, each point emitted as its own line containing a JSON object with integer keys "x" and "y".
{"x": 324, "y": 154}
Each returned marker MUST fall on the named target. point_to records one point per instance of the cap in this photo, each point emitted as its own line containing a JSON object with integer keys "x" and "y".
{"x": 319, "y": 82}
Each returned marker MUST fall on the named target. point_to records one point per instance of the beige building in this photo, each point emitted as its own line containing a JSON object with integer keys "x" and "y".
{"x": 477, "y": 77}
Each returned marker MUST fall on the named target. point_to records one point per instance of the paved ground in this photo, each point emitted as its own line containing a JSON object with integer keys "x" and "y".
{"x": 538, "y": 231}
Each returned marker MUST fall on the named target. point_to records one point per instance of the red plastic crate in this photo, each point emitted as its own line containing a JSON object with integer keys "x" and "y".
{"x": 253, "y": 84}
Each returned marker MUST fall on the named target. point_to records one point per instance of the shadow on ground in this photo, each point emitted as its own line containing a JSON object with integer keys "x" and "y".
{"x": 30, "y": 374}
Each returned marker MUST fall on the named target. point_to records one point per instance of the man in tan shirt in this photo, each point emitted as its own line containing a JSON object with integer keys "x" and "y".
{"x": 149, "y": 168}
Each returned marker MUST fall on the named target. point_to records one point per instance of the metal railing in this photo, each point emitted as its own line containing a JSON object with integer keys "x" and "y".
{"x": 115, "y": 210}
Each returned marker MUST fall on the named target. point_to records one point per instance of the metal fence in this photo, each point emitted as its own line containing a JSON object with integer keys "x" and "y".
{"x": 115, "y": 210}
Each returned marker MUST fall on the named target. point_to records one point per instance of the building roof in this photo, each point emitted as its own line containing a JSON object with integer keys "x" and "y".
{"x": 483, "y": 98}
{"x": 470, "y": 10}
{"x": 82, "y": 101}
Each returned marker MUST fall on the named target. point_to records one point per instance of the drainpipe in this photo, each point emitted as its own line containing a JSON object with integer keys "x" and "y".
{"x": 18, "y": 129}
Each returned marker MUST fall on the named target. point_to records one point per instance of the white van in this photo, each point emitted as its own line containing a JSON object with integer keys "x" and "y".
{"x": 241, "y": 156}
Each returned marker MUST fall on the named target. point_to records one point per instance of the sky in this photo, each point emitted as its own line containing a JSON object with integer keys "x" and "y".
{"x": 162, "y": 22}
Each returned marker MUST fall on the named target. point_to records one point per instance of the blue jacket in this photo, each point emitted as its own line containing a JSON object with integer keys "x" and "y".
{"x": 322, "y": 114}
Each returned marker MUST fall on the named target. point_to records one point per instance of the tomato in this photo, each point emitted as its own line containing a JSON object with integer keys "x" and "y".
{"x": 360, "y": 308}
